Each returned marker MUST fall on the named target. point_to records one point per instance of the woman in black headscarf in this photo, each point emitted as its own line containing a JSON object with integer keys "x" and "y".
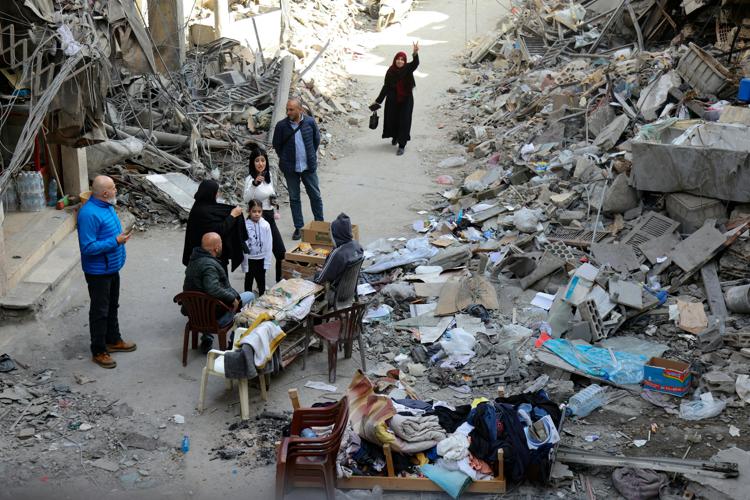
{"x": 259, "y": 186}
{"x": 399, "y": 101}
{"x": 210, "y": 216}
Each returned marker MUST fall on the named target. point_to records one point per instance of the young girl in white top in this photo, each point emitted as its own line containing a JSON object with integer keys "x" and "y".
{"x": 260, "y": 244}
{"x": 259, "y": 186}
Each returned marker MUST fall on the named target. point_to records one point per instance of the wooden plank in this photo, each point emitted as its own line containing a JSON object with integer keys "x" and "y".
{"x": 389, "y": 460}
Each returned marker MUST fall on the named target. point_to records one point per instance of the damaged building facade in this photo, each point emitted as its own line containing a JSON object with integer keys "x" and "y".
{"x": 146, "y": 89}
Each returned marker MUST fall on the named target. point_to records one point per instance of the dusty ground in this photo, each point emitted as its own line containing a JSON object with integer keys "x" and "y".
{"x": 362, "y": 176}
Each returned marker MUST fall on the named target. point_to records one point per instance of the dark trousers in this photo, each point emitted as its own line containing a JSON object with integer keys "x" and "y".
{"x": 310, "y": 180}
{"x": 255, "y": 272}
{"x": 104, "y": 292}
{"x": 279, "y": 250}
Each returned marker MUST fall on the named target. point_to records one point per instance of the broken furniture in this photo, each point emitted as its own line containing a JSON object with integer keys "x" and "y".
{"x": 201, "y": 312}
{"x": 311, "y": 462}
{"x": 215, "y": 366}
{"x": 337, "y": 328}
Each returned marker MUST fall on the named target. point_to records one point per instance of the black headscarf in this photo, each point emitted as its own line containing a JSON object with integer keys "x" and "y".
{"x": 210, "y": 216}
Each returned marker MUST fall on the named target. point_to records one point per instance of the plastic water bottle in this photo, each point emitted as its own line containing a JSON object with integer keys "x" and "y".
{"x": 52, "y": 193}
{"x": 587, "y": 400}
{"x": 185, "y": 444}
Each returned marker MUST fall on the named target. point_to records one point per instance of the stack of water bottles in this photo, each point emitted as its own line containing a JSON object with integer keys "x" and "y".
{"x": 586, "y": 401}
{"x": 30, "y": 188}
{"x": 9, "y": 198}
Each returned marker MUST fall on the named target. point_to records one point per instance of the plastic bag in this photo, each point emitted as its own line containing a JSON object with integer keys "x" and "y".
{"x": 458, "y": 341}
{"x": 526, "y": 220}
{"x": 705, "y": 407}
{"x": 445, "y": 180}
{"x": 399, "y": 291}
{"x": 742, "y": 386}
{"x": 416, "y": 249}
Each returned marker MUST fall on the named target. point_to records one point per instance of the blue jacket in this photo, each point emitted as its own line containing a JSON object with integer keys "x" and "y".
{"x": 98, "y": 229}
{"x": 283, "y": 143}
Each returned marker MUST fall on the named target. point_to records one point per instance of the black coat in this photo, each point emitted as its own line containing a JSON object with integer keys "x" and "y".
{"x": 208, "y": 216}
{"x": 397, "y": 115}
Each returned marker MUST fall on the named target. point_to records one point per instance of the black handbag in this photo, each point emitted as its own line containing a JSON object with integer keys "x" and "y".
{"x": 374, "y": 120}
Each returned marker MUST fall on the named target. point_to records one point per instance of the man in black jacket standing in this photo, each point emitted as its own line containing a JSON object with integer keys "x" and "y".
{"x": 296, "y": 139}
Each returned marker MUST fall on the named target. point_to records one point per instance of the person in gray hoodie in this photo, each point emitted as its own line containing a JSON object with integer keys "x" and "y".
{"x": 346, "y": 252}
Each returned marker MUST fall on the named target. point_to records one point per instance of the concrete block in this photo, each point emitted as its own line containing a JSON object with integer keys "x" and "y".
{"x": 691, "y": 211}
{"x": 620, "y": 197}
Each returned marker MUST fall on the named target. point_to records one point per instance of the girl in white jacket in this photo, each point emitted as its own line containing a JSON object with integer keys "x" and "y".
{"x": 260, "y": 244}
{"x": 259, "y": 186}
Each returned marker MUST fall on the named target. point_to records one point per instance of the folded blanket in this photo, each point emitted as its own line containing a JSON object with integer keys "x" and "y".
{"x": 264, "y": 339}
{"x": 240, "y": 364}
{"x": 417, "y": 429}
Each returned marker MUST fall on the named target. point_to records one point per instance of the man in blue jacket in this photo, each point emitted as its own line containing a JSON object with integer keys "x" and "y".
{"x": 102, "y": 244}
{"x": 296, "y": 139}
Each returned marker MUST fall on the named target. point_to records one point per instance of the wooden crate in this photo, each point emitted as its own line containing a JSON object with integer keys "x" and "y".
{"x": 304, "y": 270}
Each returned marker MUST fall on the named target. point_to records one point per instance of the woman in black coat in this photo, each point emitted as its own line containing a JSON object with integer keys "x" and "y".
{"x": 210, "y": 216}
{"x": 399, "y": 101}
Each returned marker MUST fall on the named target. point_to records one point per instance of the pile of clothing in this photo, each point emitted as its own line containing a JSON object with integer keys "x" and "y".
{"x": 451, "y": 445}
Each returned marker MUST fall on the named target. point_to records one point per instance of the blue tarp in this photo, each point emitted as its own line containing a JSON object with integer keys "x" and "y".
{"x": 626, "y": 368}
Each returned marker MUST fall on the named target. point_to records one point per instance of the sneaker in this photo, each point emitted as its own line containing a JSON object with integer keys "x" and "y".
{"x": 206, "y": 342}
{"x": 296, "y": 234}
{"x": 104, "y": 360}
{"x": 393, "y": 142}
{"x": 400, "y": 151}
{"x": 121, "y": 346}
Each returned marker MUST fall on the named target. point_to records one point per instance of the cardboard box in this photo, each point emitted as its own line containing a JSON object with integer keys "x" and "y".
{"x": 302, "y": 270}
{"x": 666, "y": 375}
{"x": 294, "y": 256}
{"x": 319, "y": 233}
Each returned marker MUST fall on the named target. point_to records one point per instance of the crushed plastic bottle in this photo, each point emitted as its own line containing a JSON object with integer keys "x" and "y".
{"x": 185, "y": 443}
{"x": 308, "y": 433}
{"x": 587, "y": 400}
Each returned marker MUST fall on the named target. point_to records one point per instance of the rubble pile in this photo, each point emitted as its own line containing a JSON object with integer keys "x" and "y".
{"x": 52, "y": 430}
{"x": 587, "y": 233}
{"x": 109, "y": 89}
{"x": 252, "y": 443}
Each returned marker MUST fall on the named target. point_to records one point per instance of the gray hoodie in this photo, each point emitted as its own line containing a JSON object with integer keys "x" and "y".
{"x": 347, "y": 251}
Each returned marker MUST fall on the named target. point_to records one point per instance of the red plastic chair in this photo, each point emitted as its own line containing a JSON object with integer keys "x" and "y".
{"x": 201, "y": 312}
{"x": 337, "y": 328}
{"x": 311, "y": 462}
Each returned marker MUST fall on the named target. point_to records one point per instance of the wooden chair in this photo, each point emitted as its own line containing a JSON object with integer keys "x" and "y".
{"x": 202, "y": 318}
{"x": 215, "y": 366}
{"x": 311, "y": 462}
{"x": 337, "y": 328}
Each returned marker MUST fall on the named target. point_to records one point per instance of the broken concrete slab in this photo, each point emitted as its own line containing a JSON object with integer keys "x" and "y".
{"x": 701, "y": 160}
{"x": 608, "y": 137}
{"x": 698, "y": 248}
{"x": 176, "y": 186}
{"x": 626, "y": 293}
{"x": 619, "y": 256}
{"x": 659, "y": 248}
{"x": 547, "y": 265}
{"x": 620, "y": 197}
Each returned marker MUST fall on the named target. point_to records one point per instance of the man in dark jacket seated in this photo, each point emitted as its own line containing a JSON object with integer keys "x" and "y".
{"x": 347, "y": 252}
{"x": 206, "y": 274}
